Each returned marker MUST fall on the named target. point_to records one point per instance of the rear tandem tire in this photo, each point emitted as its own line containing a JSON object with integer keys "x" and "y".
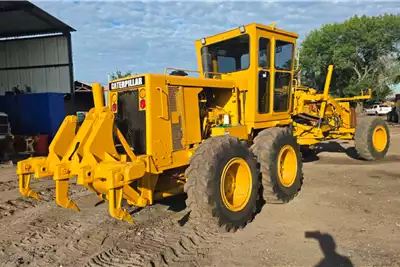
{"x": 269, "y": 146}
{"x": 372, "y": 138}
{"x": 210, "y": 167}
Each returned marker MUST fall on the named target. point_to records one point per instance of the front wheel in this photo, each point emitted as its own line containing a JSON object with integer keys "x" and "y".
{"x": 372, "y": 138}
{"x": 223, "y": 183}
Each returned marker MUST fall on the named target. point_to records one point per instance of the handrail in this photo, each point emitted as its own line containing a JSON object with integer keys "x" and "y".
{"x": 195, "y": 71}
{"x": 162, "y": 104}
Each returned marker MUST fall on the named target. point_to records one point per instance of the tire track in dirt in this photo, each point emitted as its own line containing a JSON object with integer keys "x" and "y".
{"x": 51, "y": 236}
{"x": 36, "y": 236}
{"x": 10, "y": 207}
{"x": 159, "y": 245}
{"x": 47, "y": 194}
{"x": 41, "y": 239}
{"x": 55, "y": 235}
{"x": 45, "y": 234}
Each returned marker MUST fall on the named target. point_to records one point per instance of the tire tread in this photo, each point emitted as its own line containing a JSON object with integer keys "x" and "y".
{"x": 201, "y": 200}
{"x": 264, "y": 147}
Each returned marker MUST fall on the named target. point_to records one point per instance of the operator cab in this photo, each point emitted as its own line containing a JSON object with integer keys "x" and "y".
{"x": 261, "y": 60}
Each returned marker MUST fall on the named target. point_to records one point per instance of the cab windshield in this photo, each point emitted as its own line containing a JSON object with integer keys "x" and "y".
{"x": 227, "y": 56}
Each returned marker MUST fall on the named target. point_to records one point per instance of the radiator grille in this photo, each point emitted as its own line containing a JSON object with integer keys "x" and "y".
{"x": 131, "y": 121}
{"x": 172, "y": 93}
{"x": 176, "y": 128}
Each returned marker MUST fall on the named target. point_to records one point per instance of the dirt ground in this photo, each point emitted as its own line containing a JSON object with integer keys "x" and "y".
{"x": 354, "y": 205}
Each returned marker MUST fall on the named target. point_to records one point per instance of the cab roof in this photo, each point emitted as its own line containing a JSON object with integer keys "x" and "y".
{"x": 270, "y": 28}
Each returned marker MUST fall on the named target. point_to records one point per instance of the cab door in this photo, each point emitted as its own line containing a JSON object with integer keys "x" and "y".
{"x": 283, "y": 75}
{"x": 274, "y": 77}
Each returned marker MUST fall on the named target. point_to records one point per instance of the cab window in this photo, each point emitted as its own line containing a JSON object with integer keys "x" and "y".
{"x": 264, "y": 75}
{"x": 283, "y": 75}
{"x": 263, "y": 92}
{"x": 227, "y": 56}
{"x": 282, "y": 91}
{"x": 263, "y": 52}
{"x": 283, "y": 55}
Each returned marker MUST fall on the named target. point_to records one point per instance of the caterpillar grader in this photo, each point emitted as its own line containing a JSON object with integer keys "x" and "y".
{"x": 227, "y": 137}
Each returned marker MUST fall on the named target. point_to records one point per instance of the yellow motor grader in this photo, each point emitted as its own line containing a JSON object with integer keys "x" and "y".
{"x": 226, "y": 138}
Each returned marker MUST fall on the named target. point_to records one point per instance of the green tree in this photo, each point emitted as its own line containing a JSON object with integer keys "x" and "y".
{"x": 118, "y": 74}
{"x": 365, "y": 52}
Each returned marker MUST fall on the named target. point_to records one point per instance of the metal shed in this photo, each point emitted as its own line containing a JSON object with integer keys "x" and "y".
{"x": 35, "y": 50}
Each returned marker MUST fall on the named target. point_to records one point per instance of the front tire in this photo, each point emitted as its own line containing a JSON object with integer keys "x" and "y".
{"x": 223, "y": 183}
{"x": 372, "y": 138}
{"x": 280, "y": 162}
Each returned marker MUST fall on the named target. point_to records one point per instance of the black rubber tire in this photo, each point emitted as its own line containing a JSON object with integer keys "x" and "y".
{"x": 363, "y": 138}
{"x": 389, "y": 117}
{"x": 203, "y": 185}
{"x": 267, "y": 145}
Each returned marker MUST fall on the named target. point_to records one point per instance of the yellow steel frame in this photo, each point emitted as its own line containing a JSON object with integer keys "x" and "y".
{"x": 328, "y": 107}
{"x": 99, "y": 168}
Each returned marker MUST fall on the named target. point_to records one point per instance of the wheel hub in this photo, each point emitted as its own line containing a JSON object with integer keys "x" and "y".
{"x": 287, "y": 166}
{"x": 379, "y": 138}
{"x": 236, "y": 183}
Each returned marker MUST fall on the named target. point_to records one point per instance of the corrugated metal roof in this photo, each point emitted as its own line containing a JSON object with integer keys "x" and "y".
{"x": 22, "y": 18}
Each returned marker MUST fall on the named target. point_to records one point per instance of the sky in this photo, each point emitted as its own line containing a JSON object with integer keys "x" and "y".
{"x": 149, "y": 36}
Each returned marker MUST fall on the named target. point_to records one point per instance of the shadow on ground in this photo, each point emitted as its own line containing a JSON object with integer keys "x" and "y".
{"x": 350, "y": 155}
{"x": 176, "y": 204}
{"x": 328, "y": 247}
{"x": 331, "y": 147}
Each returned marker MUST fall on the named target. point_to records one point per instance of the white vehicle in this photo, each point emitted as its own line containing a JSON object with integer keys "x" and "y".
{"x": 378, "y": 109}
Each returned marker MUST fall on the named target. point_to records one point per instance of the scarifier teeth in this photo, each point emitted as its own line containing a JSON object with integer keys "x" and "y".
{"x": 68, "y": 204}
{"x": 24, "y": 189}
{"x": 62, "y": 195}
{"x": 72, "y": 205}
{"x": 32, "y": 194}
{"x": 114, "y": 206}
{"x": 121, "y": 214}
{"x": 129, "y": 219}
{"x": 126, "y": 216}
